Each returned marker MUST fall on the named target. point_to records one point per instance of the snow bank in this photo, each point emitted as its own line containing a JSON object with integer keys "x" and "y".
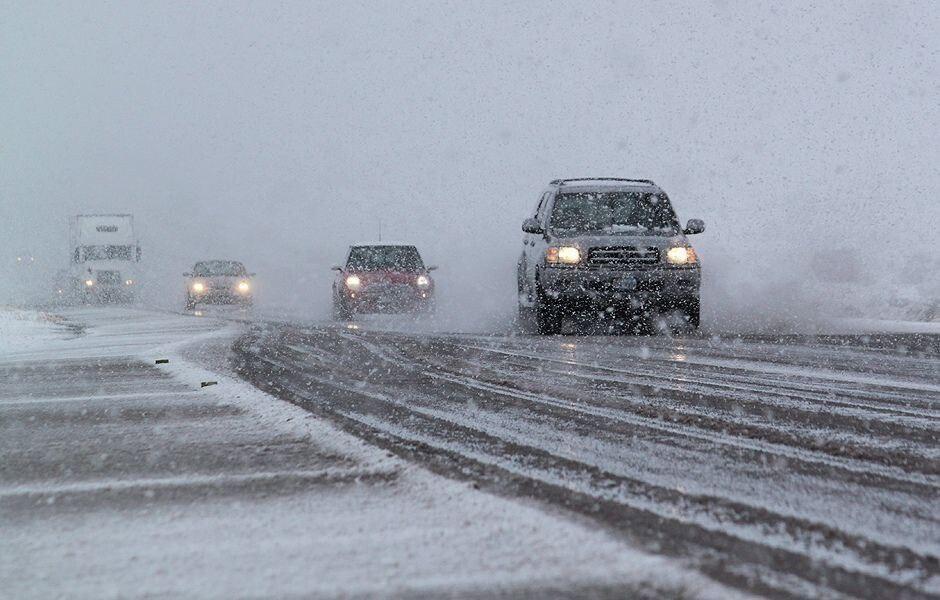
{"x": 22, "y": 330}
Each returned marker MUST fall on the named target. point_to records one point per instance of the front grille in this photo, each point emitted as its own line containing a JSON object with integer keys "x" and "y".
{"x": 390, "y": 292}
{"x": 109, "y": 277}
{"x": 623, "y": 256}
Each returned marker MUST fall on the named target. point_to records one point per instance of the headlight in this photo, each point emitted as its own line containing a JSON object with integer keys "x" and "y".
{"x": 563, "y": 255}
{"x": 89, "y": 282}
{"x": 682, "y": 255}
{"x": 244, "y": 287}
{"x": 422, "y": 281}
{"x": 199, "y": 287}
{"x": 129, "y": 282}
{"x": 353, "y": 283}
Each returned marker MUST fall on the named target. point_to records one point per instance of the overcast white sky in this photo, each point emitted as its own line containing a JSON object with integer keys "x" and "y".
{"x": 279, "y": 132}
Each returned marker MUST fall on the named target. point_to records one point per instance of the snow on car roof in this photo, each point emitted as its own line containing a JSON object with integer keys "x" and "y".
{"x": 390, "y": 243}
{"x": 598, "y": 183}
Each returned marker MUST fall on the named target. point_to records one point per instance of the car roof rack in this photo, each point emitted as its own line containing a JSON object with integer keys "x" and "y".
{"x": 566, "y": 181}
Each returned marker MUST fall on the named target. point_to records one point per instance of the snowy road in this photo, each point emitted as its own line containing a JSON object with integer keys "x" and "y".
{"x": 121, "y": 477}
{"x": 788, "y": 467}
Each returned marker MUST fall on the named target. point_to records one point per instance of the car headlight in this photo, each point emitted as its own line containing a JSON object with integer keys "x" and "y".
{"x": 244, "y": 287}
{"x": 681, "y": 255}
{"x": 353, "y": 283}
{"x": 199, "y": 287}
{"x": 422, "y": 281}
{"x": 129, "y": 282}
{"x": 563, "y": 255}
{"x": 89, "y": 282}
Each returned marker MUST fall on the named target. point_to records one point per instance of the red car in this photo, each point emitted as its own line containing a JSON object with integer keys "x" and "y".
{"x": 382, "y": 278}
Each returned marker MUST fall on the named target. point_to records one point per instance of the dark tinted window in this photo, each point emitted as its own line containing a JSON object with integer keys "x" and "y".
{"x": 613, "y": 212}
{"x": 108, "y": 252}
{"x": 397, "y": 258}
{"x": 219, "y": 268}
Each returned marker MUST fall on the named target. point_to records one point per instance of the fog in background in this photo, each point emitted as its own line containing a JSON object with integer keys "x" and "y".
{"x": 804, "y": 135}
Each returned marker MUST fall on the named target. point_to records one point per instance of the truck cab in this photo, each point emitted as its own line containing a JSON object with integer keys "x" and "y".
{"x": 105, "y": 257}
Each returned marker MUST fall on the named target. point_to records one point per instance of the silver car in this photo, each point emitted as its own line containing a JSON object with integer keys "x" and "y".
{"x": 610, "y": 246}
{"x": 219, "y": 282}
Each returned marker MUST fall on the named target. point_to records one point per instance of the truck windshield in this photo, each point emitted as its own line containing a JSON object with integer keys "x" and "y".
{"x": 219, "y": 268}
{"x": 613, "y": 213}
{"x": 108, "y": 252}
{"x": 373, "y": 258}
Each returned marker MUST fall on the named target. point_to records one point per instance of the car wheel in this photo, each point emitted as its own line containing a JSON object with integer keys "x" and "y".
{"x": 190, "y": 304}
{"x": 429, "y": 308}
{"x": 679, "y": 319}
{"x": 526, "y": 319}
{"x": 547, "y": 316}
{"x": 341, "y": 312}
{"x": 692, "y": 308}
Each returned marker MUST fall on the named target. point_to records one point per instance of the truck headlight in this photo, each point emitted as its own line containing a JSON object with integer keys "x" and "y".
{"x": 199, "y": 287}
{"x": 563, "y": 255}
{"x": 681, "y": 255}
{"x": 353, "y": 283}
{"x": 422, "y": 281}
{"x": 244, "y": 287}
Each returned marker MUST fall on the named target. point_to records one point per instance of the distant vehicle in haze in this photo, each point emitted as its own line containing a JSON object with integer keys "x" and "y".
{"x": 105, "y": 256}
{"x": 219, "y": 282}
{"x": 382, "y": 278}
{"x": 606, "y": 246}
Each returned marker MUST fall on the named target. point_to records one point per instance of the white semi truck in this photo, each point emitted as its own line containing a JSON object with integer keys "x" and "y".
{"x": 105, "y": 258}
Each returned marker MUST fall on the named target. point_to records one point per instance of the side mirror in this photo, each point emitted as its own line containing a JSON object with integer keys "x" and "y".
{"x": 532, "y": 226}
{"x": 336, "y": 268}
{"x": 187, "y": 274}
{"x": 252, "y": 274}
{"x": 694, "y": 226}
{"x": 432, "y": 268}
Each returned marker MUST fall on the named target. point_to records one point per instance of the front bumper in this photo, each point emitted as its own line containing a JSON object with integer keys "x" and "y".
{"x": 663, "y": 286}
{"x": 220, "y": 297}
{"x": 108, "y": 292}
{"x": 391, "y": 300}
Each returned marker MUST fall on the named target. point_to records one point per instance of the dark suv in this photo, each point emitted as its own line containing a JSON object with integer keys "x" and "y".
{"x": 608, "y": 245}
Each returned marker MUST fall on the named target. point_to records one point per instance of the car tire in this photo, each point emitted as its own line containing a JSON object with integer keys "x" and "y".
{"x": 679, "y": 318}
{"x": 190, "y": 304}
{"x": 341, "y": 312}
{"x": 526, "y": 319}
{"x": 547, "y": 316}
{"x": 693, "y": 310}
{"x": 429, "y": 308}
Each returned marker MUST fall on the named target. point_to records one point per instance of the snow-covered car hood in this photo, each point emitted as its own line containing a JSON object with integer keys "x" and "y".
{"x": 220, "y": 281}
{"x": 587, "y": 242}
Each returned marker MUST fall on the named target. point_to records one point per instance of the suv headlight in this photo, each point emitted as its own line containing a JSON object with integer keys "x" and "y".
{"x": 199, "y": 287}
{"x": 353, "y": 283}
{"x": 563, "y": 255}
{"x": 422, "y": 281}
{"x": 244, "y": 287}
{"x": 681, "y": 255}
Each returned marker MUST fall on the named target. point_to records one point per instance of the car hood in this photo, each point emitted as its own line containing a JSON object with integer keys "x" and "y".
{"x": 586, "y": 242}
{"x": 220, "y": 280}
{"x": 394, "y": 277}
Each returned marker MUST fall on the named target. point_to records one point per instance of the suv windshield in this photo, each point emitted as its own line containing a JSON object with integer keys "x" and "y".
{"x": 219, "y": 268}
{"x": 613, "y": 212}
{"x": 373, "y": 258}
